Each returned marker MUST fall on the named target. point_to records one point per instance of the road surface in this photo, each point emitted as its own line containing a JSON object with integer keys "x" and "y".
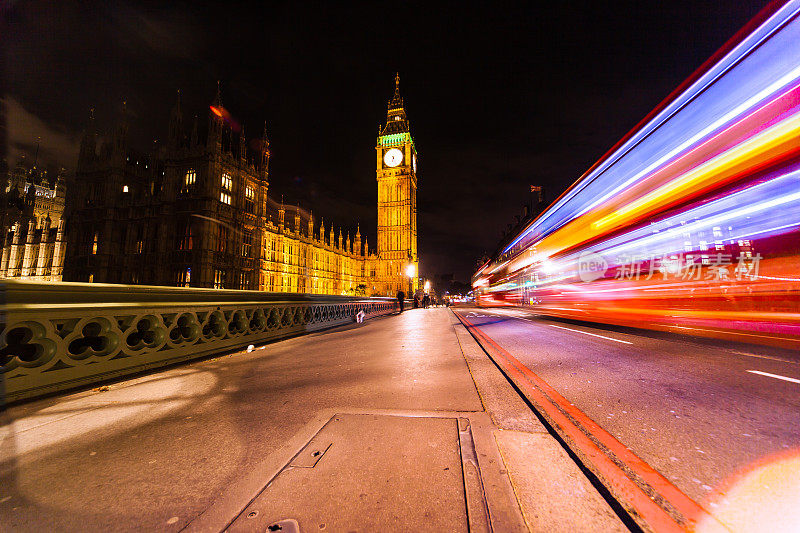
{"x": 701, "y": 412}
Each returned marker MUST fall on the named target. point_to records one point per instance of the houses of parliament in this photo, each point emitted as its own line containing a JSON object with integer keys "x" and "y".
{"x": 197, "y": 213}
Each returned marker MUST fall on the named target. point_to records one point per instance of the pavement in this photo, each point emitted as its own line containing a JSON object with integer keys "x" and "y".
{"x": 399, "y": 423}
{"x": 718, "y": 419}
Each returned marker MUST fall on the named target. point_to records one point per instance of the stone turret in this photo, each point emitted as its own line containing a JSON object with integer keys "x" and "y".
{"x": 120, "y": 143}
{"x": 215, "y": 123}
{"x": 265, "y": 154}
{"x": 88, "y": 151}
{"x": 175, "y": 136}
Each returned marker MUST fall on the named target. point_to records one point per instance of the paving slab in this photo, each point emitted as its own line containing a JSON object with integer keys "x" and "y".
{"x": 507, "y": 408}
{"x": 554, "y": 494}
{"x": 391, "y": 473}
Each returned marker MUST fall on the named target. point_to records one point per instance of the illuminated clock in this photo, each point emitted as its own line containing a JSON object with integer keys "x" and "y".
{"x": 393, "y": 157}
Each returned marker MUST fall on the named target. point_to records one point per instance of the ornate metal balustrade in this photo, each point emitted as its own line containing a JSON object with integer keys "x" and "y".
{"x": 65, "y": 335}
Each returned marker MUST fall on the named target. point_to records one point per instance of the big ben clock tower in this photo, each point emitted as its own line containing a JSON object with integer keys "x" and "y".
{"x": 396, "y": 172}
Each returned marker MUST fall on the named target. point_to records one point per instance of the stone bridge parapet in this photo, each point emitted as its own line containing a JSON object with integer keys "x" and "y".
{"x": 60, "y": 336}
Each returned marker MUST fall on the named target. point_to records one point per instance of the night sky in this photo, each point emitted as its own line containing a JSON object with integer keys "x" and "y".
{"x": 500, "y": 96}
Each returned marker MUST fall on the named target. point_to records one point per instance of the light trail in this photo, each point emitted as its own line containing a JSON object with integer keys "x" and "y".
{"x": 690, "y": 221}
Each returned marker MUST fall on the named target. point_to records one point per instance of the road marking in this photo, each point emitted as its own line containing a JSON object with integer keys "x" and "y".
{"x": 766, "y": 357}
{"x": 776, "y": 376}
{"x": 587, "y": 333}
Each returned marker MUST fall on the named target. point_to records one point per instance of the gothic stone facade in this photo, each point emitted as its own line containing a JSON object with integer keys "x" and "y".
{"x": 31, "y": 225}
{"x": 197, "y": 213}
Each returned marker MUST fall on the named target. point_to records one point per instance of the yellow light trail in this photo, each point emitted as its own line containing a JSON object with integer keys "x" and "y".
{"x": 769, "y": 143}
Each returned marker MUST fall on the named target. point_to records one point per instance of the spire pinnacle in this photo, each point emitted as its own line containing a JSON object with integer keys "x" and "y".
{"x": 396, "y": 120}
{"x": 265, "y": 152}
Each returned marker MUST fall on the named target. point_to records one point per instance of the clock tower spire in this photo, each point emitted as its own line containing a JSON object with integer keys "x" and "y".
{"x": 396, "y": 173}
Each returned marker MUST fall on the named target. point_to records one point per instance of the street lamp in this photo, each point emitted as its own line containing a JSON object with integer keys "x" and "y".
{"x": 410, "y": 272}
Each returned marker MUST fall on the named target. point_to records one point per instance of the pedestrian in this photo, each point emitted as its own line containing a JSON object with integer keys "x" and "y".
{"x": 401, "y": 299}
{"x": 426, "y": 301}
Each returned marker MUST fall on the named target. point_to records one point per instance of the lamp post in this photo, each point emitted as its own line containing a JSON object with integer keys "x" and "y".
{"x": 410, "y": 272}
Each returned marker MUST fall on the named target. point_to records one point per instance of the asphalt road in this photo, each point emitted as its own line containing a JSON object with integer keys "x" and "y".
{"x": 694, "y": 409}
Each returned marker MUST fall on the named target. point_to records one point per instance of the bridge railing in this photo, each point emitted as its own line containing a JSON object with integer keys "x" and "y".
{"x": 61, "y": 336}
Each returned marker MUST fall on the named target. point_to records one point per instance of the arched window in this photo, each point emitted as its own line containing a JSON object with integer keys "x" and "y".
{"x": 249, "y": 199}
{"x": 227, "y": 189}
{"x": 189, "y": 179}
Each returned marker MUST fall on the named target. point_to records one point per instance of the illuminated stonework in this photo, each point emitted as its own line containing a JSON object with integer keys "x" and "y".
{"x": 197, "y": 214}
{"x": 31, "y": 227}
{"x": 396, "y": 172}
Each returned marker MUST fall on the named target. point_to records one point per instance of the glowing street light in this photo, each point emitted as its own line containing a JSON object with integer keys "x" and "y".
{"x": 427, "y": 286}
{"x": 410, "y": 270}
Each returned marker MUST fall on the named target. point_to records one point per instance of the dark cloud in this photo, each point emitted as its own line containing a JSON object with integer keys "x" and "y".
{"x": 57, "y": 145}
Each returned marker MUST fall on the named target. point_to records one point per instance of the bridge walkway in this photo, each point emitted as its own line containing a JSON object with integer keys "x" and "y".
{"x": 399, "y": 423}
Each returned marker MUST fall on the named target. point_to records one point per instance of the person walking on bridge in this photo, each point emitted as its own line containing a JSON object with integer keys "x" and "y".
{"x": 401, "y": 299}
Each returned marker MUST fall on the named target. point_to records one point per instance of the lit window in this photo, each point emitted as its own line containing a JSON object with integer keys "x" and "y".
{"x": 189, "y": 178}
{"x": 94, "y": 245}
{"x": 184, "y": 277}
{"x": 124, "y": 188}
{"x": 185, "y": 237}
{"x": 219, "y": 279}
{"x": 227, "y": 189}
{"x": 249, "y": 199}
{"x": 227, "y": 182}
{"x": 246, "y": 244}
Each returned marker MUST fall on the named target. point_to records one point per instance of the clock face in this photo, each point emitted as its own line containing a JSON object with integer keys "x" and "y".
{"x": 393, "y": 157}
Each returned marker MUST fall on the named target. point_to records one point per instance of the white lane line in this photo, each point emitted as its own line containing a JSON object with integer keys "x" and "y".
{"x": 587, "y": 333}
{"x": 776, "y": 376}
{"x": 765, "y": 357}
